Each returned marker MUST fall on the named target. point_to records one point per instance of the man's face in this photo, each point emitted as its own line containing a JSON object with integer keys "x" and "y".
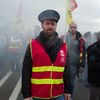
{"x": 49, "y": 27}
{"x": 73, "y": 28}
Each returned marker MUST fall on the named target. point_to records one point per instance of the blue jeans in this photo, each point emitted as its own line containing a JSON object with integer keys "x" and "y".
{"x": 57, "y": 98}
{"x": 84, "y": 75}
{"x": 73, "y": 73}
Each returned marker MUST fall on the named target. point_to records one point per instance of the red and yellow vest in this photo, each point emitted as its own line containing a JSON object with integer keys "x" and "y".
{"x": 81, "y": 41}
{"x": 47, "y": 78}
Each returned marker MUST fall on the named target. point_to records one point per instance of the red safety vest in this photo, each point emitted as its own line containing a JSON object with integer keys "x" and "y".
{"x": 47, "y": 78}
{"x": 81, "y": 41}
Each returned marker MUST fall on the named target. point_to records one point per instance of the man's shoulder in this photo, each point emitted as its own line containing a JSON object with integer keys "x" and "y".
{"x": 91, "y": 47}
{"x": 78, "y": 34}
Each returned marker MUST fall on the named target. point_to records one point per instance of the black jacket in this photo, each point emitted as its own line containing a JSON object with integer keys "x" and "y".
{"x": 52, "y": 47}
{"x": 93, "y": 62}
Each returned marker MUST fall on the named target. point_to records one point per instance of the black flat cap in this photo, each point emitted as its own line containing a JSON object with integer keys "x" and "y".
{"x": 49, "y": 14}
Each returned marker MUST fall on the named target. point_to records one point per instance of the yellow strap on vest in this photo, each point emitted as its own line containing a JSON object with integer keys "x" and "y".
{"x": 81, "y": 57}
{"x": 46, "y": 81}
{"x": 81, "y": 54}
{"x": 48, "y": 68}
{"x": 13, "y": 47}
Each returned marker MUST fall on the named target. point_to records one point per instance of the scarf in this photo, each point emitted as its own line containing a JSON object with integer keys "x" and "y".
{"x": 51, "y": 44}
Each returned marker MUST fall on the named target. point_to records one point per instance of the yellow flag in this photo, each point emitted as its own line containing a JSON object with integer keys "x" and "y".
{"x": 71, "y": 5}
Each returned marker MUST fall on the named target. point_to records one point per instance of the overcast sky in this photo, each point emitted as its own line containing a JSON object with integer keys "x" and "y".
{"x": 86, "y": 15}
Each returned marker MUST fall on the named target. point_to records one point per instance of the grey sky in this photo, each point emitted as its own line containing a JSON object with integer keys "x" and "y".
{"x": 87, "y": 14}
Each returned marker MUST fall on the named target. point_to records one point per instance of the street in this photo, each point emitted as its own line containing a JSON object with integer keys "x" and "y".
{"x": 10, "y": 85}
{"x": 10, "y": 82}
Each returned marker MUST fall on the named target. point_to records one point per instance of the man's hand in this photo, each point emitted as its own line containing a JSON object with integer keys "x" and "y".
{"x": 80, "y": 69}
{"x": 28, "y": 98}
{"x": 67, "y": 96}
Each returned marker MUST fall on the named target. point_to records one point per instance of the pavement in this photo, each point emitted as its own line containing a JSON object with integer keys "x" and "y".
{"x": 81, "y": 91}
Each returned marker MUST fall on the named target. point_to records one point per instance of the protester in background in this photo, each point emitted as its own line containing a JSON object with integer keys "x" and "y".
{"x": 93, "y": 62}
{"x": 76, "y": 49}
{"x": 15, "y": 52}
{"x": 88, "y": 38}
{"x": 36, "y": 31}
{"x": 94, "y": 39}
{"x": 45, "y": 72}
{"x": 88, "y": 41}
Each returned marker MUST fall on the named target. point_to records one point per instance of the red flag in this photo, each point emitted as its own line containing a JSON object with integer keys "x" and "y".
{"x": 19, "y": 10}
{"x": 73, "y": 4}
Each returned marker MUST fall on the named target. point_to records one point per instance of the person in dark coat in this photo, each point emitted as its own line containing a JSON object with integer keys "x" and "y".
{"x": 76, "y": 47}
{"x": 93, "y": 63}
{"x": 46, "y": 48}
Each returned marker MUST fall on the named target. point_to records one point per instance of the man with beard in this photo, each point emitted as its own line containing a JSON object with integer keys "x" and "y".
{"x": 45, "y": 72}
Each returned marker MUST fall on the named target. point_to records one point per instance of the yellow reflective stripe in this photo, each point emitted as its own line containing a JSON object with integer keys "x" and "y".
{"x": 13, "y": 47}
{"x": 48, "y": 68}
{"x": 46, "y": 81}
{"x": 80, "y": 60}
{"x": 31, "y": 48}
{"x": 81, "y": 54}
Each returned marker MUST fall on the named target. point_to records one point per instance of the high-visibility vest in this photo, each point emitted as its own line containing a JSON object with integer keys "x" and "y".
{"x": 47, "y": 78}
{"x": 81, "y": 41}
{"x": 14, "y": 46}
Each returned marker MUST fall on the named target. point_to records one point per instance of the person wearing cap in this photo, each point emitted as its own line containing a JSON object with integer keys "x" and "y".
{"x": 93, "y": 64}
{"x": 45, "y": 71}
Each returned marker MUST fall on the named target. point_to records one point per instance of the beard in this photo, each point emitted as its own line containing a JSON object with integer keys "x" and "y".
{"x": 49, "y": 32}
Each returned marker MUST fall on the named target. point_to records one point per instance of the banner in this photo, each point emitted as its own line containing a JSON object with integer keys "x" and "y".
{"x": 71, "y": 5}
{"x": 19, "y": 9}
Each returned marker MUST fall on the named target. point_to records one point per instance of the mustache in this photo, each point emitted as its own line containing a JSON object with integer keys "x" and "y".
{"x": 49, "y": 29}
